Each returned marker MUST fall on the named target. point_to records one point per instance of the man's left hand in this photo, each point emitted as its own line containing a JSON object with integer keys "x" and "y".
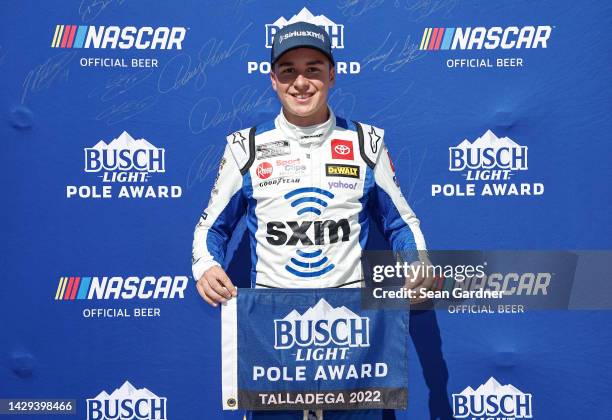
{"x": 420, "y": 282}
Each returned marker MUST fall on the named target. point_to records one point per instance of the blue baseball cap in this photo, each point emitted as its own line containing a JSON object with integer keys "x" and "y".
{"x": 301, "y": 35}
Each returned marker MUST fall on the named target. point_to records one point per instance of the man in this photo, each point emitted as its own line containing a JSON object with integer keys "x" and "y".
{"x": 309, "y": 183}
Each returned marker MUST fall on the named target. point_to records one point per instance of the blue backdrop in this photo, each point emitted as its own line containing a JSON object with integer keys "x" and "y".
{"x": 553, "y": 98}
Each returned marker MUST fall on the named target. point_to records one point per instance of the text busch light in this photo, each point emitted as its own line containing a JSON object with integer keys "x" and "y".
{"x": 111, "y": 409}
{"x": 512, "y": 158}
{"x": 145, "y": 160}
{"x": 352, "y": 332}
{"x": 492, "y": 406}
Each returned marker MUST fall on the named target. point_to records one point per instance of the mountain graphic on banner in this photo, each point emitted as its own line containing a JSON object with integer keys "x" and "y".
{"x": 304, "y": 16}
{"x": 124, "y": 141}
{"x": 126, "y": 391}
{"x": 322, "y": 310}
{"x": 488, "y": 140}
{"x": 492, "y": 387}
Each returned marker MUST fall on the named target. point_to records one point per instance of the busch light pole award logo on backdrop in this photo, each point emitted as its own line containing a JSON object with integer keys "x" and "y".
{"x": 124, "y": 167}
{"x": 312, "y": 349}
{"x": 488, "y": 166}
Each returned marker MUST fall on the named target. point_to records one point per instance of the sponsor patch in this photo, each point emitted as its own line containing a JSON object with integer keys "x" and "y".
{"x": 314, "y": 136}
{"x": 348, "y": 171}
{"x": 279, "y": 181}
{"x": 342, "y": 149}
{"x": 290, "y": 167}
{"x": 273, "y": 148}
{"x": 215, "y": 190}
{"x": 264, "y": 170}
{"x": 342, "y": 185}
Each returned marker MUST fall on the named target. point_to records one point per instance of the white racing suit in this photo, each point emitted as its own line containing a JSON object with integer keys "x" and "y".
{"x": 309, "y": 195}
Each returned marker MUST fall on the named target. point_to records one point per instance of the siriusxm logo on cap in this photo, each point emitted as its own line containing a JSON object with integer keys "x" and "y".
{"x": 316, "y": 35}
{"x": 301, "y": 35}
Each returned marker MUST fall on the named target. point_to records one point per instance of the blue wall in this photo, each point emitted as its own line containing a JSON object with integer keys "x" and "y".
{"x": 557, "y": 104}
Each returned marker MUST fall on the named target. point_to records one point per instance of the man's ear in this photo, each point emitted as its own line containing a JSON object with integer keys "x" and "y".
{"x": 273, "y": 78}
{"x": 332, "y": 75}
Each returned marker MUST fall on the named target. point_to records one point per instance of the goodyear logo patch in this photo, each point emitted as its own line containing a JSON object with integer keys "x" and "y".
{"x": 348, "y": 171}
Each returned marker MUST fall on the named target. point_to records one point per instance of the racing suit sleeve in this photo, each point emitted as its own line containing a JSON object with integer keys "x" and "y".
{"x": 225, "y": 208}
{"x": 398, "y": 222}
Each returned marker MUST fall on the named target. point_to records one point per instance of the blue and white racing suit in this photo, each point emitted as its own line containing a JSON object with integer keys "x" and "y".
{"x": 309, "y": 194}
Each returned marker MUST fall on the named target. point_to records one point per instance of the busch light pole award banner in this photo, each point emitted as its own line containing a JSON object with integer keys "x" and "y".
{"x": 312, "y": 349}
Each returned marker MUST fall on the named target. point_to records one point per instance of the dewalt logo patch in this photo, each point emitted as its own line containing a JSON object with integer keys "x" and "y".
{"x": 348, "y": 171}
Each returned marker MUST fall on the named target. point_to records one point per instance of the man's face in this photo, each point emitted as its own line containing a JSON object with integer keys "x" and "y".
{"x": 302, "y": 78}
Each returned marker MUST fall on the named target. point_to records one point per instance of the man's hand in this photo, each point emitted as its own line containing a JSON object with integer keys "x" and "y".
{"x": 215, "y": 286}
{"x": 420, "y": 282}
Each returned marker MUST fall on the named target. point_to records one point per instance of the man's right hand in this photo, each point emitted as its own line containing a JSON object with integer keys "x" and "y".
{"x": 215, "y": 286}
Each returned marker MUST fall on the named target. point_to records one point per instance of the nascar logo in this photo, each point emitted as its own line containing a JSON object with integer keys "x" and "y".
{"x": 85, "y": 36}
{"x": 435, "y": 39}
{"x": 102, "y": 288}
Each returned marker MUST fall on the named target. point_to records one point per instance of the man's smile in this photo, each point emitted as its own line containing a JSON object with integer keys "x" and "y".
{"x": 302, "y": 97}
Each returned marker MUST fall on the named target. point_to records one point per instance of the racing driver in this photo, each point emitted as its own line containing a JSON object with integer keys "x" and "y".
{"x": 309, "y": 182}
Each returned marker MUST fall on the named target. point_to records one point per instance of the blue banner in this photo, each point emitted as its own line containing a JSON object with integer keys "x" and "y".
{"x": 312, "y": 349}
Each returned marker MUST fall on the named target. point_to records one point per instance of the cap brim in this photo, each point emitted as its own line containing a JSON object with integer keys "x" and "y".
{"x": 306, "y": 46}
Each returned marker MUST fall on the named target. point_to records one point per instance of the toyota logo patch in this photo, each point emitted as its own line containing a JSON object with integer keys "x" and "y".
{"x": 342, "y": 149}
